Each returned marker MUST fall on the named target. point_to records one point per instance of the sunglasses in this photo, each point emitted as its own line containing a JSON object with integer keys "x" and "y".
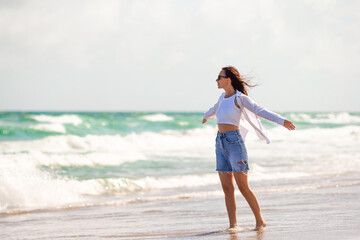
{"x": 220, "y": 77}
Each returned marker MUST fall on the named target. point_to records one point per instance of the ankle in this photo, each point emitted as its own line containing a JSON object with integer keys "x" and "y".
{"x": 261, "y": 223}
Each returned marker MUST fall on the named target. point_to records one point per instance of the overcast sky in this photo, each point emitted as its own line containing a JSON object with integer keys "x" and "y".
{"x": 163, "y": 55}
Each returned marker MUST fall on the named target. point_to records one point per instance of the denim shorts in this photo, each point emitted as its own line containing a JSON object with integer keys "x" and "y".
{"x": 231, "y": 154}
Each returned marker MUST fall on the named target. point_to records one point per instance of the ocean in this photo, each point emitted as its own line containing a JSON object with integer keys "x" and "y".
{"x": 151, "y": 175}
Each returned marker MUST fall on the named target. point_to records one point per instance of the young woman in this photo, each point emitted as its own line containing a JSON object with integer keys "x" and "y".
{"x": 231, "y": 154}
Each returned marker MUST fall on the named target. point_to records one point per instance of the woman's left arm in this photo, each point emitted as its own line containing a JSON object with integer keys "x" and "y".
{"x": 264, "y": 113}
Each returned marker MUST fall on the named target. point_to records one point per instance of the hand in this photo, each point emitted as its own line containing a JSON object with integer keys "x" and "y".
{"x": 289, "y": 125}
{"x": 204, "y": 120}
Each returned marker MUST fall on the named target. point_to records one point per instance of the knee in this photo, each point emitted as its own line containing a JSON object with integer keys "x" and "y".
{"x": 244, "y": 188}
{"x": 228, "y": 190}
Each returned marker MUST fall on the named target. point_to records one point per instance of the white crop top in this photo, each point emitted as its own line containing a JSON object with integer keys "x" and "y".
{"x": 225, "y": 111}
{"x": 228, "y": 112}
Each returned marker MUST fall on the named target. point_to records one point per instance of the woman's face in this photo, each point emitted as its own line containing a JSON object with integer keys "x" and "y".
{"x": 222, "y": 80}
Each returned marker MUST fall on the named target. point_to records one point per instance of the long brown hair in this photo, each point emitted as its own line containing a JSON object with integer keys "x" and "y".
{"x": 237, "y": 81}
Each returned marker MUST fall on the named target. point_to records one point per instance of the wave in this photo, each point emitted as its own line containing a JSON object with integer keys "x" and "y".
{"x": 107, "y": 150}
{"x": 26, "y": 187}
{"x": 56, "y": 127}
{"x": 157, "y": 198}
{"x": 28, "y": 126}
{"x": 128, "y": 201}
{"x": 160, "y": 117}
{"x": 183, "y": 123}
{"x": 30, "y": 189}
{"x": 93, "y": 150}
{"x": 335, "y": 118}
{"x": 29, "y": 178}
{"x": 66, "y": 118}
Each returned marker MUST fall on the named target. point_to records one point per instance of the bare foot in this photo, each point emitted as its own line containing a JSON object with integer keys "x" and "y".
{"x": 232, "y": 229}
{"x": 260, "y": 226}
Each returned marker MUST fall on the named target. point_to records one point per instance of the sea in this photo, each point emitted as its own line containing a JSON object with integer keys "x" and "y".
{"x": 151, "y": 175}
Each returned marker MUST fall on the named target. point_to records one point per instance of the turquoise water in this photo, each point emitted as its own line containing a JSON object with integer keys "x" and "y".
{"x": 53, "y": 159}
{"x": 22, "y": 125}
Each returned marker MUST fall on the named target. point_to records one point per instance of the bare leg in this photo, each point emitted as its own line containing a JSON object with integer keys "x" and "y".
{"x": 242, "y": 182}
{"x": 228, "y": 186}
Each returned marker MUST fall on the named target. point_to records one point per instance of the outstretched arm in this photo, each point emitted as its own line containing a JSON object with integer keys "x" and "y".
{"x": 211, "y": 113}
{"x": 264, "y": 113}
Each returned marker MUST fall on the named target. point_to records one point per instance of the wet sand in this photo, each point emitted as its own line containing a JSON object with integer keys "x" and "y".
{"x": 329, "y": 211}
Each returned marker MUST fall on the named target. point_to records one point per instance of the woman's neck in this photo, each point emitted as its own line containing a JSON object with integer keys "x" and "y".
{"x": 229, "y": 91}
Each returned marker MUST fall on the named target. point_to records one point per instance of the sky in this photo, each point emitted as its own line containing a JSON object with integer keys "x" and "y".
{"x": 164, "y": 55}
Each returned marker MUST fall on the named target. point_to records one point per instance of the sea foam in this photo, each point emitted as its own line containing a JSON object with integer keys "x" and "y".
{"x": 56, "y": 127}
{"x": 291, "y": 155}
{"x": 66, "y": 118}
{"x": 336, "y": 118}
{"x": 160, "y": 117}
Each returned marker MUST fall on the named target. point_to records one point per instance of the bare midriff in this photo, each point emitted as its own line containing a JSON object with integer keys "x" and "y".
{"x": 224, "y": 127}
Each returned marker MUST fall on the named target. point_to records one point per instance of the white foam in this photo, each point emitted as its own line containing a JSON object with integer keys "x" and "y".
{"x": 161, "y": 197}
{"x": 291, "y": 154}
{"x": 339, "y": 118}
{"x": 160, "y": 117}
{"x": 68, "y": 150}
{"x": 56, "y": 127}
{"x": 24, "y": 186}
{"x": 152, "y": 183}
{"x": 66, "y": 118}
{"x": 299, "y": 147}
{"x": 311, "y": 151}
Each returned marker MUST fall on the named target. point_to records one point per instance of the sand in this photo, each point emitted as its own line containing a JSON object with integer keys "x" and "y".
{"x": 330, "y": 210}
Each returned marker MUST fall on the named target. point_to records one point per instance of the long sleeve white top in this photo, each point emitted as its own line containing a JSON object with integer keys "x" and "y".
{"x": 251, "y": 112}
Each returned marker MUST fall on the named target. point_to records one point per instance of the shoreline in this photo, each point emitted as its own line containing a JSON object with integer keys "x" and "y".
{"x": 321, "y": 213}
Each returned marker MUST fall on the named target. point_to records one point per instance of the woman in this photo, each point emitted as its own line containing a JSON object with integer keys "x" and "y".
{"x": 231, "y": 154}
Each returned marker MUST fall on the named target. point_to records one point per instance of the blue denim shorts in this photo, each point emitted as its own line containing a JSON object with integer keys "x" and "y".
{"x": 231, "y": 154}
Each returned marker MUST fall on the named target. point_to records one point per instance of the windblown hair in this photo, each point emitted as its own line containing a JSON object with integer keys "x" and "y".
{"x": 237, "y": 81}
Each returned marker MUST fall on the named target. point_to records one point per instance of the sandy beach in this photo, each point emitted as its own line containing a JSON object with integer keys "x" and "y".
{"x": 324, "y": 210}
